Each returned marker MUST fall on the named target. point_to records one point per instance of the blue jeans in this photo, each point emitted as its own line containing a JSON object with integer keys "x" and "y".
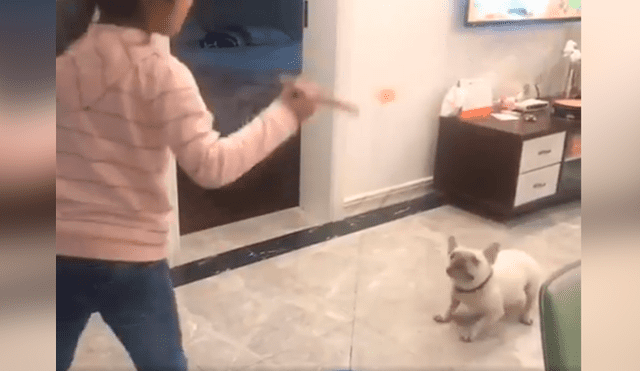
{"x": 136, "y": 300}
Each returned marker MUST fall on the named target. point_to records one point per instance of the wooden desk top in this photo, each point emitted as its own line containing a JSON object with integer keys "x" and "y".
{"x": 545, "y": 124}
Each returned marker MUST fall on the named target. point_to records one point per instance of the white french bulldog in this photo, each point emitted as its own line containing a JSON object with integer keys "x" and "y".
{"x": 488, "y": 281}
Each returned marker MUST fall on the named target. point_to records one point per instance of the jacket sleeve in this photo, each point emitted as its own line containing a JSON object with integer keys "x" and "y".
{"x": 210, "y": 160}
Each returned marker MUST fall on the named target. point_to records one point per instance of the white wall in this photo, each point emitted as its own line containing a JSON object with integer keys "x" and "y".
{"x": 320, "y": 192}
{"x": 420, "y": 48}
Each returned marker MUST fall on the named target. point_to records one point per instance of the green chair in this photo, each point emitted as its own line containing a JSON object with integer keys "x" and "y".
{"x": 560, "y": 319}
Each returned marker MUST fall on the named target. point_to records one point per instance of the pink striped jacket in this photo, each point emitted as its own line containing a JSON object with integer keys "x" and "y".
{"x": 124, "y": 103}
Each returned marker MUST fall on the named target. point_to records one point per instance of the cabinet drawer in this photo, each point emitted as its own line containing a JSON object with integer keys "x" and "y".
{"x": 537, "y": 184}
{"x": 541, "y": 152}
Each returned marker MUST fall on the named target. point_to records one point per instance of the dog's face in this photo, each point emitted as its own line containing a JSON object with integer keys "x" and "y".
{"x": 467, "y": 266}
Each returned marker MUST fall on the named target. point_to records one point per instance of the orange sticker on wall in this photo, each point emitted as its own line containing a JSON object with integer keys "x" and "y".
{"x": 386, "y": 96}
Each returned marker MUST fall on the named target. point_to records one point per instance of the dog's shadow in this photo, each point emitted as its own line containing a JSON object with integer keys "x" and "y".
{"x": 505, "y": 330}
{"x": 504, "y": 344}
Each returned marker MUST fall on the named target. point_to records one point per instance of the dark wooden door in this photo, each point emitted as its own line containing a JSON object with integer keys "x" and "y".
{"x": 237, "y": 84}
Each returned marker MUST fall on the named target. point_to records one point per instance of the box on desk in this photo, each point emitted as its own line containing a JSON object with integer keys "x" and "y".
{"x": 478, "y": 99}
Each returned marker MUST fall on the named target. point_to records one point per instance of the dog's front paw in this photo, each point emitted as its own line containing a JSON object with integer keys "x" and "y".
{"x": 466, "y": 334}
{"x": 440, "y": 319}
{"x": 526, "y": 320}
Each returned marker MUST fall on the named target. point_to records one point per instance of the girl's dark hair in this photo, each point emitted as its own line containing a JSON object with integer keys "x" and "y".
{"x": 118, "y": 8}
{"x": 72, "y": 20}
{"x": 74, "y": 16}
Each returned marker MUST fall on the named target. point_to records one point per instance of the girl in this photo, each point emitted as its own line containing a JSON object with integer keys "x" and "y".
{"x": 124, "y": 102}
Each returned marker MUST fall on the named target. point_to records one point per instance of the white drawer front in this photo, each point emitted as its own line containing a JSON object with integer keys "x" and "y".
{"x": 541, "y": 152}
{"x": 537, "y": 184}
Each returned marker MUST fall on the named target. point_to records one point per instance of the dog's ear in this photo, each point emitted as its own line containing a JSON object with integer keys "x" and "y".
{"x": 491, "y": 252}
{"x": 452, "y": 244}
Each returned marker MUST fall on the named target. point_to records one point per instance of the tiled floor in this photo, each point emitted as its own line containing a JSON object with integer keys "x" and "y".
{"x": 364, "y": 301}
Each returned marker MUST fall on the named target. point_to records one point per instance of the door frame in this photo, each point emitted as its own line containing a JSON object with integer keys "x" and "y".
{"x": 320, "y": 153}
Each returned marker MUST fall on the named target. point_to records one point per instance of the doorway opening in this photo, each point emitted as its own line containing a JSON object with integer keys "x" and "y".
{"x": 237, "y": 51}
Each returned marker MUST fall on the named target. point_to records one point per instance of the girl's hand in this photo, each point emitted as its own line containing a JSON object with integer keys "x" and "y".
{"x": 302, "y": 97}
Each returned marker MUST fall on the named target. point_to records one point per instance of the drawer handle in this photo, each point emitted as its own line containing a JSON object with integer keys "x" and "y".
{"x": 544, "y": 152}
{"x": 539, "y": 185}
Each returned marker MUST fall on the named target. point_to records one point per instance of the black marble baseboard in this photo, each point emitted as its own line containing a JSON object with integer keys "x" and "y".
{"x": 211, "y": 266}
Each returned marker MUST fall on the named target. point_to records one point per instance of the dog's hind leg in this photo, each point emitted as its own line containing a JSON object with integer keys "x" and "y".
{"x": 488, "y": 321}
{"x": 531, "y": 292}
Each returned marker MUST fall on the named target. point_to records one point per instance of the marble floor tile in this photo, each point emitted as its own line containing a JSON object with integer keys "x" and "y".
{"x": 364, "y": 301}
{"x": 402, "y": 285}
{"x": 291, "y": 311}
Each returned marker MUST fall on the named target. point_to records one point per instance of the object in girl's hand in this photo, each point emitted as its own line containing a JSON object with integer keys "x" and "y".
{"x": 341, "y": 105}
{"x": 330, "y": 102}
{"x": 335, "y": 103}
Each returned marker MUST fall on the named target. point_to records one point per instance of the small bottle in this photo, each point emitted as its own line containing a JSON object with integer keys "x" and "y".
{"x": 528, "y": 92}
{"x": 497, "y": 105}
{"x": 508, "y": 103}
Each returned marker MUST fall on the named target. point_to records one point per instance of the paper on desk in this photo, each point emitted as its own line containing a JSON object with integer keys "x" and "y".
{"x": 476, "y": 92}
{"x": 505, "y": 116}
